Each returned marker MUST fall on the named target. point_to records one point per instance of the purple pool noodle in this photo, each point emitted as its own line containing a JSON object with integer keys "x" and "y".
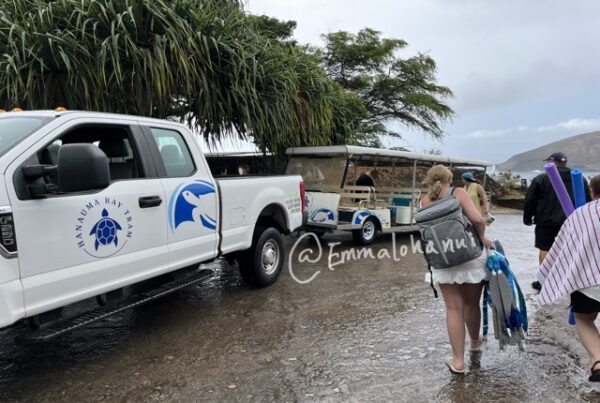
{"x": 578, "y": 188}
{"x": 559, "y": 188}
{"x": 565, "y": 202}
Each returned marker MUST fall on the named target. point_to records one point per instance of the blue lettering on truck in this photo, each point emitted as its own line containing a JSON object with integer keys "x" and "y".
{"x": 103, "y": 227}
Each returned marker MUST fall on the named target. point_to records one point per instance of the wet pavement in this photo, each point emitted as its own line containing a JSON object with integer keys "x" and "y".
{"x": 369, "y": 330}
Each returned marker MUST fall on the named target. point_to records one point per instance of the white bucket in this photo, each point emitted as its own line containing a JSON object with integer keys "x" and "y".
{"x": 403, "y": 214}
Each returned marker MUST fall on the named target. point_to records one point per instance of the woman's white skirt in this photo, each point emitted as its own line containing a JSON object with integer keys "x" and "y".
{"x": 471, "y": 272}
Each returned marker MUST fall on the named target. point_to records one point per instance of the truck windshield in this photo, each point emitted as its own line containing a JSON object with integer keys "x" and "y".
{"x": 14, "y": 129}
{"x": 318, "y": 173}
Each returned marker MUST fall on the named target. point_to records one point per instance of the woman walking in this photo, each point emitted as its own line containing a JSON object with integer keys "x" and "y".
{"x": 572, "y": 266}
{"x": 461, "y": 285}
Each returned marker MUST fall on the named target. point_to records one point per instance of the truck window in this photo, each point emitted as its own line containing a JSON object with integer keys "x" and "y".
{"x": 114, "y": 140}
{"x": 15, "y": 129}
{"x": 174, "y": 152}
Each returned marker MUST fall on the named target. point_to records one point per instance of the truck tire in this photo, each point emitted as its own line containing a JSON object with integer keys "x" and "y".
{"x": 261, "y": 265}
{"x": 366, "y": 235}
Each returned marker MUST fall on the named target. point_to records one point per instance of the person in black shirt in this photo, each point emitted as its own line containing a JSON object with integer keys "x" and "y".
{"x": 543, "y": 209}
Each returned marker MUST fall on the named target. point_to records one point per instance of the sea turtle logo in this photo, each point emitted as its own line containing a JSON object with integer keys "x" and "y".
{"x": 193, "y": 202}
{"x": 104, "y": 226}
{"x": 106, "y": 231}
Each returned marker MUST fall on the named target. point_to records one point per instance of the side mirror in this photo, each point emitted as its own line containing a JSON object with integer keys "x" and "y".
{"x": 38, "y": 179}
{"x": 82, "y": 167}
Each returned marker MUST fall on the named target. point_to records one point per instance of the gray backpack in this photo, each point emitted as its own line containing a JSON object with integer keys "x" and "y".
{"x": 447, "y": 236}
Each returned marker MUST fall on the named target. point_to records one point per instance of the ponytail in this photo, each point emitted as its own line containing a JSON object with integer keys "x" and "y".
{"x": 435, "y": 191}
{"x": 437, "y": 177}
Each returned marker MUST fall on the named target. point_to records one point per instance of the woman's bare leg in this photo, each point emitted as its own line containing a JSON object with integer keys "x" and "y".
{"x": 588, "y": 334}
{"x": 455, "y": 322}
{"x": 472, "y": 298}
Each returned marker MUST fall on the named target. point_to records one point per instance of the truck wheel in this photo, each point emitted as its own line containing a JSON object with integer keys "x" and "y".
{"x": 261, "y": 265}
{"x": 367, "y": 233}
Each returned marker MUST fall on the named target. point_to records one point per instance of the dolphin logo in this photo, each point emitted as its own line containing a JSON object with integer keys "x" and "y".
{"x": 361, "y": 216}
{"x": 189, "y": 202}
{"x": 322, "y": 215}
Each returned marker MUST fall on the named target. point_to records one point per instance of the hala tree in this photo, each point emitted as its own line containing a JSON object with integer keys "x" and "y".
{"x": 211, "y": 65}
{"x": 203, "y": 62}
{"x": 392, "y": 88}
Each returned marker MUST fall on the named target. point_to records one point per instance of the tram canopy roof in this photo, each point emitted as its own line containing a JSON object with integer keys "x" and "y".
{"x": 380, "y": 154}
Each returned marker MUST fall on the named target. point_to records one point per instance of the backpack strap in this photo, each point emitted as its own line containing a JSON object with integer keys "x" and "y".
{"x": 450, "y": 192}
{"x": 435, "y": 293}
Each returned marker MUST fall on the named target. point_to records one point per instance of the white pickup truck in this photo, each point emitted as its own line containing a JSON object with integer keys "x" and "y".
{"x": 93, "y": 202}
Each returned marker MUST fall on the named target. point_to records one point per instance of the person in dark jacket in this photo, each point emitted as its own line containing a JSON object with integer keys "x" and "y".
{"x": 543, "y": 209}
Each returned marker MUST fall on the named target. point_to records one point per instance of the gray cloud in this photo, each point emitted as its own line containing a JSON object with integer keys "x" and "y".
{"x": 511, "y": 64}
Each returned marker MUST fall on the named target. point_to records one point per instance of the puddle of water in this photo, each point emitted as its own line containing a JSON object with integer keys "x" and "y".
{"x": 368, "y": 331}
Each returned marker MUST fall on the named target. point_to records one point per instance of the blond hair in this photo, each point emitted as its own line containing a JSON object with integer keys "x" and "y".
{"x": 436, "y": 178}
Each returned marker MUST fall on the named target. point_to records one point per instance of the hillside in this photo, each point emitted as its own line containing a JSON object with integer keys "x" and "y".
{"x": 582, "y": 150}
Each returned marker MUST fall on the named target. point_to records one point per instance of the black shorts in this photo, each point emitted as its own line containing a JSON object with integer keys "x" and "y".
{"x": 545, "y": 236}
{"x": 581, "y": 303}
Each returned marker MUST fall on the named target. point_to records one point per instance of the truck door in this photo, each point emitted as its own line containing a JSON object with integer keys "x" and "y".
{"x": 76, "y": 245}
{"x": 191, "y": 193}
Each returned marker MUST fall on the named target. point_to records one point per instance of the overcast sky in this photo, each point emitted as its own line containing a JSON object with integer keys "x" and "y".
{"x": 524, "y": 73}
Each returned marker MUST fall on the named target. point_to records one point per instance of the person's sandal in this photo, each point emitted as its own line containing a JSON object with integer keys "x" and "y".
{"x": 475, "y": 348}
{"x": 453, "y": 369}
{"x": 595, "y": 376}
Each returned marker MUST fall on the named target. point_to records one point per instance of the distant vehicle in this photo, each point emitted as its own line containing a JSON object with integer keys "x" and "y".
{"x": 93, "y": 202}
{"x": 364, "y": 190}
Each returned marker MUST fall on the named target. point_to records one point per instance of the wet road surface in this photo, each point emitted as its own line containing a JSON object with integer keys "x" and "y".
{"x": 369, "y": 330}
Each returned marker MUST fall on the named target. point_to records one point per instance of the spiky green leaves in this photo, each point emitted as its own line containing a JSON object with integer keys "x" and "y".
{"x": 392, "y": 88}
{"x": 203, "y": 62}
